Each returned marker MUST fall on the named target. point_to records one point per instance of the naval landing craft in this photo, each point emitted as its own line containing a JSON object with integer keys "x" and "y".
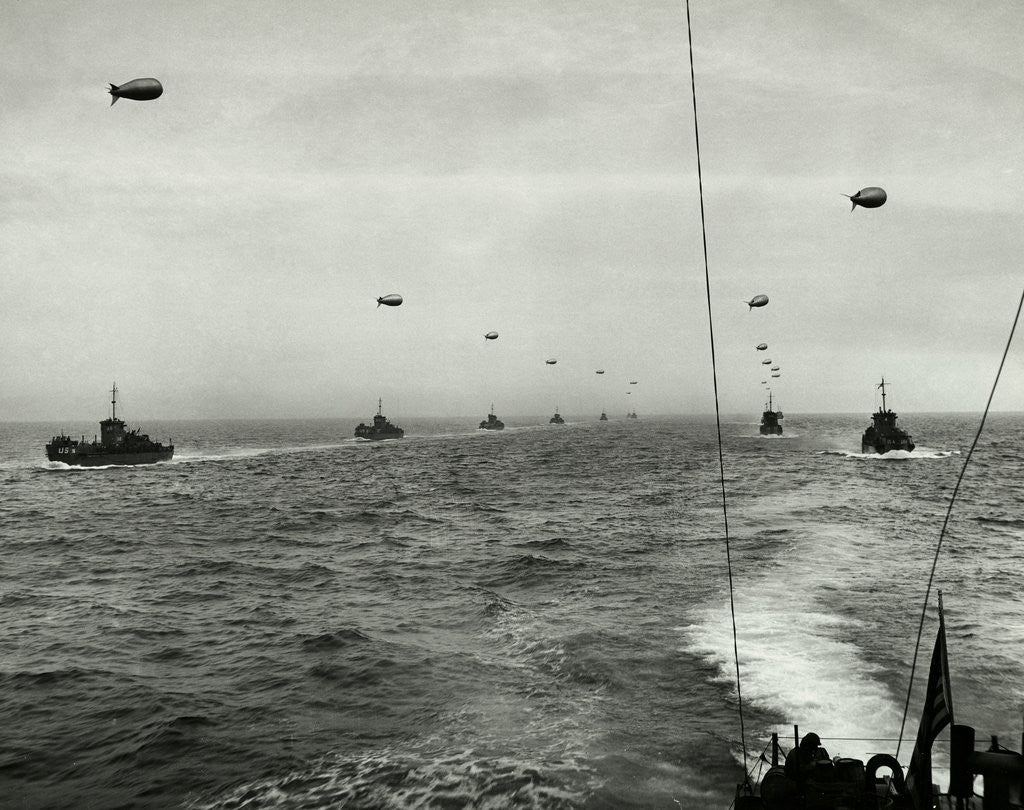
{"x": 492, "y": 422}
{"x": 381, "y": 427}
{"x": 116, "y": 445}
{"x": 882, "y": 434}
{"x": 770, "y": 419}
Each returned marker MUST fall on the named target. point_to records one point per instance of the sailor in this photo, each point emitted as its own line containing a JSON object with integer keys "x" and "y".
{"x": 803, "y": 760}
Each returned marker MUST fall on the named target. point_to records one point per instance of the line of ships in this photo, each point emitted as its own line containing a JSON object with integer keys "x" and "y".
{"x": 119, "y": 445}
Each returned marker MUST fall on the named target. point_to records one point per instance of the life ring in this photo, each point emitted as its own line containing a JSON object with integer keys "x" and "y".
{"x": 898, "y": 783}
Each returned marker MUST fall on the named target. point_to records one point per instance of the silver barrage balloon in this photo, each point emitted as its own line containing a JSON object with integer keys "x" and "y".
{"x": 393, "y": 300}
{"x": 757, "y": 301}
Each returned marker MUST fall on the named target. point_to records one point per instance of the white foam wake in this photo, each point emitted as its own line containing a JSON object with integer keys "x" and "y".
{"x": 796, "y": 659}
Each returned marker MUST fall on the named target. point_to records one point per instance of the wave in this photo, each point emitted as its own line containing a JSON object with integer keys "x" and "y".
{"x": 50, "y": 677}
{"x": 1014, "y": 523}
{"x": 527, "y": 570}
{"x": 334, "y": 641}
{"x": 235, "y": 453}
{"x": 60, "y": 466}
{"x": 393, "y": 778}
{"x": 559, "y": 543}
{"x": 894, "y": 455}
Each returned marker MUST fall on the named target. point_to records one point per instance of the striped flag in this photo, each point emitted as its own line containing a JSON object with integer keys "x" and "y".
{"x": 937, "y": 714}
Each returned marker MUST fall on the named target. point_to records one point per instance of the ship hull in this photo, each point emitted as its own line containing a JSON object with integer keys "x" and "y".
{"x": 379, "y": 435}
{"x": 771, "y": 430}
{"x": 882, "y": 446}
{"x": 103, "y": 458}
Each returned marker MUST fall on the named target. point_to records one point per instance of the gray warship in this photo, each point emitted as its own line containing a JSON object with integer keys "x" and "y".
{"x": 116, "y": 445}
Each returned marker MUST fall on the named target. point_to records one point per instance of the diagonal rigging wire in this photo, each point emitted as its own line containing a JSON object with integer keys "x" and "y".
{"x": 949, "y": 510}
{"x": 714, "y": 373}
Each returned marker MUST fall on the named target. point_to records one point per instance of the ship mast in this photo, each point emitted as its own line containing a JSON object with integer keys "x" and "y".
{"x": 380, "y": 406}
{"x": 113, "y": 401}
{"x": 882, "y": 386}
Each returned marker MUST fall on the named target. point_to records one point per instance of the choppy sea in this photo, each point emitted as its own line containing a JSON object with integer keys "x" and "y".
{"x": 284, "y": 616}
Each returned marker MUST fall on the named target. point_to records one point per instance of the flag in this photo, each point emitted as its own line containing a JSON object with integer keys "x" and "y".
{"x": 936, "y": 715}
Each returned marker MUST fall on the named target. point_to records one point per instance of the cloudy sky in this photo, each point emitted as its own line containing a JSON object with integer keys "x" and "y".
{"x": 526, "y": 167}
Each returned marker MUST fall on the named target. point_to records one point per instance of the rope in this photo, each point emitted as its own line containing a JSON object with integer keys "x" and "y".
{"x": 752, "y": 777}
{"x": 714, "y": 374}
{"x": 949, "y": 510}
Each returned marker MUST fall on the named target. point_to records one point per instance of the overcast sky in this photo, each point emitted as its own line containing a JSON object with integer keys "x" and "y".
{"x": 522, "y": 167}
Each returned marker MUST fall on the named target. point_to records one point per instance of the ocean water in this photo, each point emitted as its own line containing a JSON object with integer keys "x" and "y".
{"x": 283, "y": 616}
